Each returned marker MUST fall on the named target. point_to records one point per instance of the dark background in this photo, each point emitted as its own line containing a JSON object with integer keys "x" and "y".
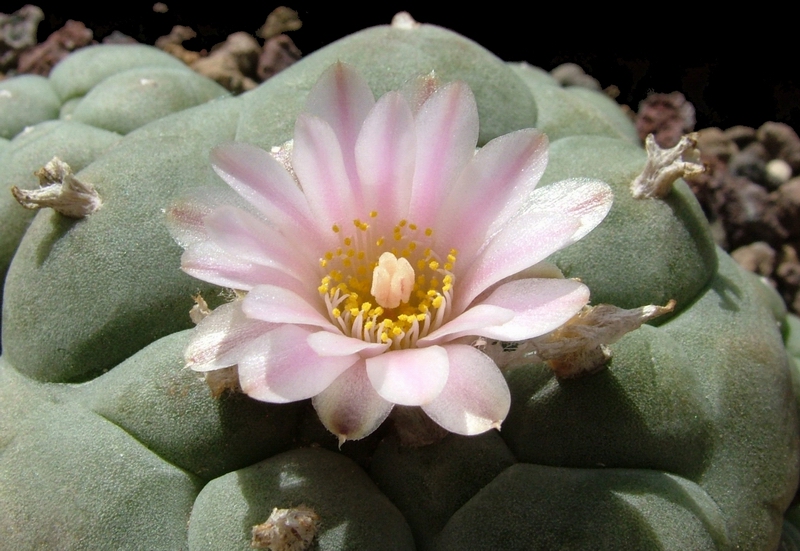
{"x": 742, "y": 71}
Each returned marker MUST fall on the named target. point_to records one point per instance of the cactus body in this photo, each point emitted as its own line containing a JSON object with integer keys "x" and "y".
{"x": 688, "y": 440}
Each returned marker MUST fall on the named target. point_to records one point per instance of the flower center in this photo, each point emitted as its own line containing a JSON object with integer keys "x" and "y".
{"x": 391, "y": 289}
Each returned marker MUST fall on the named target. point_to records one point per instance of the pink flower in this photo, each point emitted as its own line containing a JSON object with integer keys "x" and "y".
{"x": 379, "y": 252}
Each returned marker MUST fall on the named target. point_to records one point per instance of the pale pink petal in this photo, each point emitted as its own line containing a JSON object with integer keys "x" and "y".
{"x": 279, "y": 305}
{"x": 350, "y": 408}
{"x": 280, "y": 367}
{"x": 185, "y": 217}
{"x": 492, "y": 188}
{"x": 385, "y": 153}
{"x": 185, "y": 222}
{"x": 342, "y": 98}
{"x": 558, "y": 215}
{"x": 244, "y": 236}
{"x": 447, "y": 132}
{"x": 263, "y": 182}
{"x": 540, "y": 305}
{"x": 319, "y": 165}
{"x": 588, "y": 200}
{"x": 476, "y": 397}
{"x": 524, "y": 241}
{"x": 543, "y": 269}
{"x": 468, "y": 323}
{"x": 326, "y": 343}
{"x": 208, "y": 262}
{"x": 218, "y": 340}
{"x": 409, "y": 377}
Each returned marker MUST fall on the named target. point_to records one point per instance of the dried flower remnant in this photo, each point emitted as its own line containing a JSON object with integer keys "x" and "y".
{"x": 571, "y": 74}
{"x": 580, "y": 346}
{"x": 404, "y": 20}
{"x": 664, "y": 166}
{"x": 200, "y": 309}
{"x": 286, "y": 530}
{"x": 364, "y": 288}
{"x": 61, "y": 191}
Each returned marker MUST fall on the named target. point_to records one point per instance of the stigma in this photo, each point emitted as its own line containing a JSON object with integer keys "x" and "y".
{"x": 392, "y": 281}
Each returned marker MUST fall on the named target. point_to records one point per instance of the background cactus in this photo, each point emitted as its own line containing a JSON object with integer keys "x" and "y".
{"x": 689, "y": 440}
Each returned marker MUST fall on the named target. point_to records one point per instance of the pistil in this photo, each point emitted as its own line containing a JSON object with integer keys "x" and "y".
{"x": 392, "y": 281}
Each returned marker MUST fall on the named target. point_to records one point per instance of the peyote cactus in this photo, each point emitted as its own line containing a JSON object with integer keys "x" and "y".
{"x": 688, "y": 439}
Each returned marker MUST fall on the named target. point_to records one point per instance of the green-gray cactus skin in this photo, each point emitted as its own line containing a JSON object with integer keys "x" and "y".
{"x": 688, "y": 440}
{"x": 90, "y": 100}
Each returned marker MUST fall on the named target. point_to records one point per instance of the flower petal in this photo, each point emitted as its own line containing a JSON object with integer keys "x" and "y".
{"x": 263, "y": 182}
{"x": 342, "y": 98}
{"x": 350, "y": 408}
{"x": 242, "y": 235}
{"x": 586, "y": 199}
{"x": 476, "y": 397}
{"x": 409, "y": 377}
{"x": 524, "y": 241}
{"x": 219, "y": 339}
{"x": 280, "y": 367}
{"x": 492, "y": 188}
{"x": 185, "y": 222}
{"x": 279, "y": 305}
{"x": 208, "y": 262}
{"x": 318, "y": 162}
{"x": 558, "y": 214}
{"x": 326, "y": 343}
{"x": 447, "y": 132}
{"x": 469, "y": 323}
{"x": 540, "y": 306}
{"x": 385, "y": 156}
